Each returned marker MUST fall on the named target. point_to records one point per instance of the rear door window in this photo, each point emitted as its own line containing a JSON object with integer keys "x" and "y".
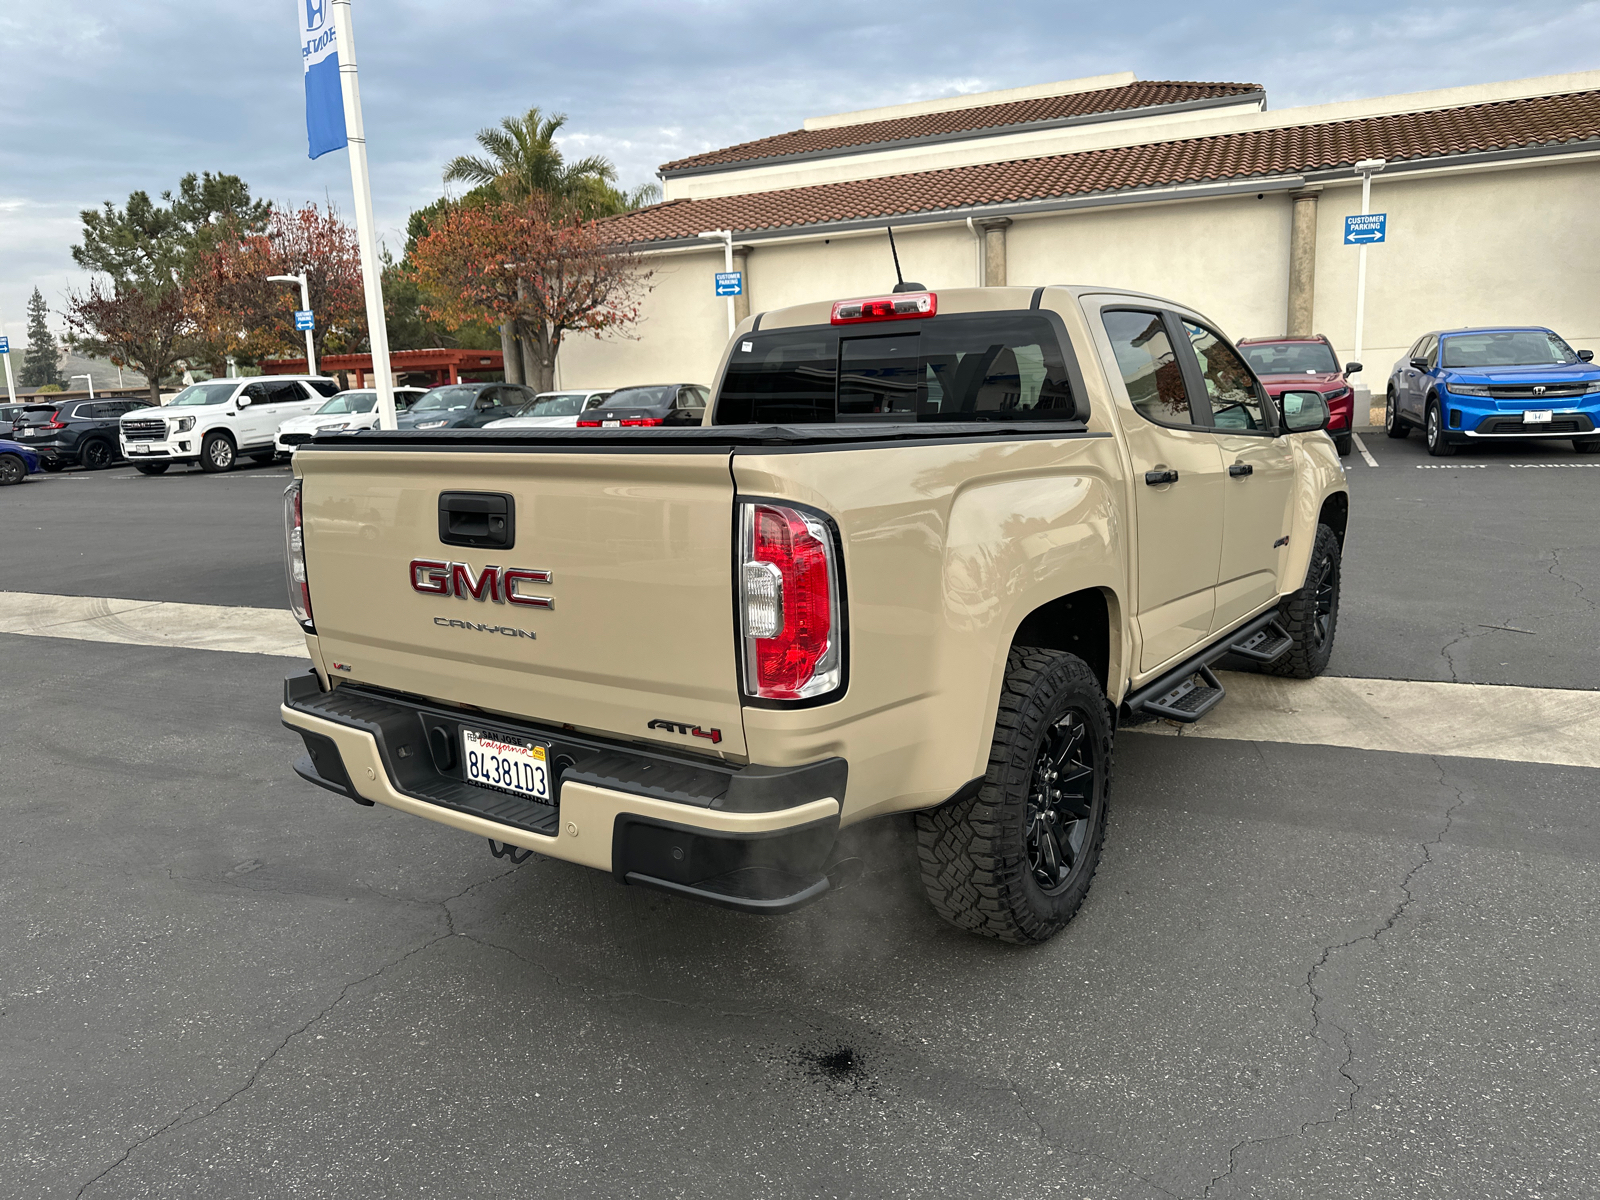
{"x": 961, "y": 367}
{"x": 1149, "y": 366}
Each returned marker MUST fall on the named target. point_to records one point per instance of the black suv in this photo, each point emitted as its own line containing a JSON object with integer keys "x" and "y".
{"x": 12, "y": 415}
{"x": 78, "y": 433}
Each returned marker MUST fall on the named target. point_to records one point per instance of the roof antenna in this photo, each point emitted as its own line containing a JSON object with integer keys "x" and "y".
{"x": 900, "y": 280}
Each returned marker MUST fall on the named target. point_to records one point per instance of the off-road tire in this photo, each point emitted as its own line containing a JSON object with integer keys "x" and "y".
{"x": 151, "y": 468}
{"x": 1394, "y": 424}
{"x": 1344, "y": 443}
{"x": 217, "y": 453}
{"x": 1301, "y": 613}
{"x": 1586, "y": 445}
{"x": 1434, "y": 432}
{"x": 976, "y": 865}
{"x": 96, "y": 455}
{"x": 12, "y": 469}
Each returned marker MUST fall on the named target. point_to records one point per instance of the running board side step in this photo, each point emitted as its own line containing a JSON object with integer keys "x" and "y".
{"x": 1191, "y": 690}
{"x": 1265, "y": 645}
{"x": 1192, "y": 698}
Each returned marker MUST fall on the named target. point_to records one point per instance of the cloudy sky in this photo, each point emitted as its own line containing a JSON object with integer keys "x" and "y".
{"x": 100, "y": 97}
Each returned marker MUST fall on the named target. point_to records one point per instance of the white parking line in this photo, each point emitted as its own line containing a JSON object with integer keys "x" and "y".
{"x": 1510, "y": 724}
{"x": 149, "y": 623}
{"x": 1460, "y": 720}
{"x": 1365, "y": 453}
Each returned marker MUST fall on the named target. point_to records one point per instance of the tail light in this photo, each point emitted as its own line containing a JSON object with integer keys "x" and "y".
{"x": 789, "y": 600}
{"x": 55, "y": 422}
{"x": 295, "y": 557}
{"x": 645, "y": 421}
{"x": 583, "y": 424}
{"x": 886, "y": 308}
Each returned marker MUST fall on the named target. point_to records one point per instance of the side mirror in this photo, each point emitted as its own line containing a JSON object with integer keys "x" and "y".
{"x": 244, "y": 402}
{"x": 1303, "y": 412}
{"x": 1420, "y": 364}
{"x": 1585, "y": 355}
{"x": 1352, "y": 368}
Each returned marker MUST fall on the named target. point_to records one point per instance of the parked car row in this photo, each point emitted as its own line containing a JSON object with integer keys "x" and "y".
{"x": 214, "y": 423}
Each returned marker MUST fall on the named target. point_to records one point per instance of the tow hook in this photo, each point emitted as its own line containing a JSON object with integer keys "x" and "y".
{"x": 506, "y": 850}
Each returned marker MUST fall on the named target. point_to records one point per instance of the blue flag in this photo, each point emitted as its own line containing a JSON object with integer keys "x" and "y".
{"x": 324, "y": 98}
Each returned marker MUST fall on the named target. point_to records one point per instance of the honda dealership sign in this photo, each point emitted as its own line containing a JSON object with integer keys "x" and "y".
{"x": 324, "y": 101}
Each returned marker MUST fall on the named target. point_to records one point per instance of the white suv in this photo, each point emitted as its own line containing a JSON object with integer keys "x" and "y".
{"x": 212, "y": 423}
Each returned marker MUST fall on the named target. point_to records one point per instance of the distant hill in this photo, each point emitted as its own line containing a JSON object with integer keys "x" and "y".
{"x": 105, "y": 375}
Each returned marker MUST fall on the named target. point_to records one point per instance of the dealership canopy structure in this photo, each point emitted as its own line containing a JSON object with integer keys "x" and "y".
{"x": 1191, "y": 189}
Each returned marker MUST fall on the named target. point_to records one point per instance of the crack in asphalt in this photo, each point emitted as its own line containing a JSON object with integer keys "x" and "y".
{"x": 1318, "y": 1020}
{"x": 1449, "y": 659}
{"x": 1555, "y": 570}
{"x": 178, "y": 1121}
{"x": 1052, "y": 1144}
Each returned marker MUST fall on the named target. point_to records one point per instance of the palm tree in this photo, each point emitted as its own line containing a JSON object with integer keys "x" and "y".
{"x": 523, "y": 159}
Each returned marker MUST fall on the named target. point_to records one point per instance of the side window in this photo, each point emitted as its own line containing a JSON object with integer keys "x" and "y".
{"x": 288, "y": 392}
{"x": 259, "y": 393}
{"x": 1149, "y": 366}
{"x": 1429, "y": 345}
{"x": 1230, "y": 387}
{"x": 323, "y": 387}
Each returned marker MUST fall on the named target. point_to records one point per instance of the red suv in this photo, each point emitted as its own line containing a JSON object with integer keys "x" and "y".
{"x": 1306, "y": 364}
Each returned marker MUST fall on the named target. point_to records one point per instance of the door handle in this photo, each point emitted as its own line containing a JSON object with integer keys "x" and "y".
{"x": 1157, "y": 478}
{"x": 1238, "y": 470}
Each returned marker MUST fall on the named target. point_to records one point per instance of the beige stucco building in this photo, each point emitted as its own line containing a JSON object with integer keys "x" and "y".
{"x": 1197, "y": 191}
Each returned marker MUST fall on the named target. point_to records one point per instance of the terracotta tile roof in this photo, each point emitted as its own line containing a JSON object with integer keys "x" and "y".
{"x": 1541, "y": 120}
{"x": 1145, "y": 94}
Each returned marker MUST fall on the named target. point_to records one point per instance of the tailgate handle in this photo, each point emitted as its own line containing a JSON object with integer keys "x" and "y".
{"x": 487, "y": 520}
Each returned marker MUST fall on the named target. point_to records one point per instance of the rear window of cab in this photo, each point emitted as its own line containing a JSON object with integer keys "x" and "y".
{"x": 959, "y": 367}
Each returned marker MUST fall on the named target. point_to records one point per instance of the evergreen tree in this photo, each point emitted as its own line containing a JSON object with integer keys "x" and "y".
{"x": 43, "y": 364}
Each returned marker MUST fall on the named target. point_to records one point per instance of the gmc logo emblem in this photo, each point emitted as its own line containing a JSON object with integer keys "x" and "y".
{"x": 711, "y": 735}
{"x": 503, "y": 585}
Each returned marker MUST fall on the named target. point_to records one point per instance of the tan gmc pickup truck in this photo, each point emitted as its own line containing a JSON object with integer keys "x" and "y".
{"x": 924, "y": 554}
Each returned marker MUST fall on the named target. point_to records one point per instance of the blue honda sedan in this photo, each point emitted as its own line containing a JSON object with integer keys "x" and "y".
{"x": 1511, "y": 384}
{"x": 17, "y": 462}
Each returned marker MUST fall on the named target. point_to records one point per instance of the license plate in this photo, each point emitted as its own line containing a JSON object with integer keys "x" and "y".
{"x": 610, "y": 424}
{"x": 505, "y": 766}
{"x": 1536, "y": 416}
{"x": 138, "y": 449}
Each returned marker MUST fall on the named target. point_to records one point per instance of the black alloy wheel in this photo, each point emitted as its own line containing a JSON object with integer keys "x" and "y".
{"x": 96, "y": 455}
{"x": 1062, "y": 794}
{"x": 1393, "y": 424}
{"x": 1011, "y": 856}
{"x": 1310, "y": 615}
{"x": 1437, "y": 446}
{"x": 12, "y": 469}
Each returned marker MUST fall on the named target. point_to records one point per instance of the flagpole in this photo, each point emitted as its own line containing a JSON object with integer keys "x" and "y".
{"x": 371, "y": 268}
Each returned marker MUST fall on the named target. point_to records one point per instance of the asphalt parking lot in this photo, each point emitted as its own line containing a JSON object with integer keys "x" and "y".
{"x": 1303, "y": 970}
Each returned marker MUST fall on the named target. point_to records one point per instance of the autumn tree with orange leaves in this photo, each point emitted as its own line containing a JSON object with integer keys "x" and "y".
{"x": 238, "y": 313}
{"x": 520, "y": 262}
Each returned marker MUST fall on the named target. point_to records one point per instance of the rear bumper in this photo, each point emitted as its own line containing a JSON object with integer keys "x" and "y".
{"x": 752, "y": 838}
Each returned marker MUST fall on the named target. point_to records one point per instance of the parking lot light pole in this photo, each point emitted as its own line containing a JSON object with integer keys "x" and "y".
{"x": 305, "y": 306}
{"x": 1366, "y": 168}
{"x": 725, "y": 236}
{"x": 90, "y": 378}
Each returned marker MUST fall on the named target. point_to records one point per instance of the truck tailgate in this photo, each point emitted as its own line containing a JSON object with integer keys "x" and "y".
{"x": 639, "y": 550}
